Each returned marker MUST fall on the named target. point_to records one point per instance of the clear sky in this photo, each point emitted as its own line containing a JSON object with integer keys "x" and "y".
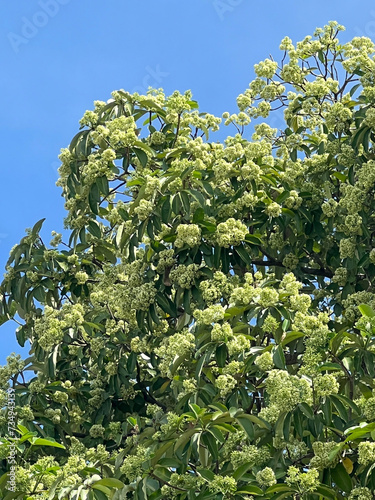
{"x": 58, "y": 56}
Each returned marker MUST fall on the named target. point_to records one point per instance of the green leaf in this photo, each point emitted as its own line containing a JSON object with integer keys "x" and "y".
{"x": 103, "y": 185}
{"x": 335, "y": 451}
{"x": 252, "y": 489}
{"x": 221, "y": 355}
{"x": 94, "y": 198}
{"x": 289, "y": 212}
{"x": 154, "y": 314}
{"x": 321, "y": 56}
{"x": 217, "y": 256}
{"x": 206, "y": 474}
{"x": 197, "y": 410}
{"x": 340, "y": 176}
{"x": 185, "y": 201}
{"x": 231, "y": 312}
{"x": 107, "y": 252}
{"x": 37, "y": 227}
{"x": 359, "y": 431}
{"x": 111, "y": 482}
{"x": 94, "y": 228}
{"x": 131, "y": 362}
{"x": 326, "y": 492}
{"x": 46, "y": 442}
{"x": 207, "y": 226}
{"x": 347, "y": 401}
{"x": 169, "y": 462}
{"x": 182, "y": 440}
{"x": 353, "y": 89}
{"x": 198, "y": 196}
{"x": 135, "y": 182}
{"x": 166, "y": 304}
{"x": 145, "y": 147}
{"x": 276, "y": 488}
{"x": 27, "y": 436}
{"x": 279, "y": 425}
{"x": 279, "y": 357}
{"x": 161, "y": 450}
{"x": 166, "y": 211}
{"x": 342, "y": 411}
{"x": 137, "y": 201}
{"x": 282, "y": 196}
{"x": 39, "y": 294}
{"x": 247, "y": 425}
{"x": 306, "y": 410}
{"x": 286, "y": 426}
{"x": 141, "y": 155}
{"x": 22, "y": 429}
{"x": 241, "y": 470}
{"x": 255, "y": 240}
{"x": 187, "y": 300}
{"x": 176, "y": 204}
{"x": 290, "y": 336}
{"x": 342, "y": 478}
{"x": 100, "y": 493}
{"x": 211, "y": 443}
{"x": 198, "y": 215}
{"x": 366, "y": 310}
{"x": 14, "y": 496}
{"x": 243, "y": 254}
{"x": 218, "y": 435}
{"x": 330, "y": 367}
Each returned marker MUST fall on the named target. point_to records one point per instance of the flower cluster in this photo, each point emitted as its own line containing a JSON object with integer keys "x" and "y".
{"x": 14, "y": 366}
{"x": 273, "y": 209}
{"x": 366, "y": 452}
{"x": 165, "y": 260}
{"x": 360, "y": 493}
{"x": 325, "y": 385}
{"x": 97, "y": 431}
{"x": 238, "y": 344}
{"x": 144, "y": 209}
{"x": 295, "y": 448}
{"x": 210, "y": 315}
{"x": 184, "y": 276}
{"x": 178, "y": 482}
{"x": 188, "y": 234}
{"x": 285, "y": 392}
{"x": 221, "y": 332}
{"x": 215, "y": 289}
{"x": 132, "y": 466}
{"x": 225, "y": 384}
{"x": 223, "y": 484}
{"x": 265, "y": 362}
{"x": 347, "y": 248}
{"x": 306, "y": 482}
{"x": 340, "y": 277}
{"x": 254, "y": 455}
{"x": 50, "y": 329}
{"x": 266, "y": 477}
{"x": 321, "y": 459}
{"x": 230, "y": 232}
{"x": 177, "y": 345}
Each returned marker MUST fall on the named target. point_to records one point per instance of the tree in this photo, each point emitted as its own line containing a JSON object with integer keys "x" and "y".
{"x": 208, "y": 331}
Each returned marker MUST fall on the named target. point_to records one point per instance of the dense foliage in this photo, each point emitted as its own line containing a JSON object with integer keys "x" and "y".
{"x": 208, "y": 331}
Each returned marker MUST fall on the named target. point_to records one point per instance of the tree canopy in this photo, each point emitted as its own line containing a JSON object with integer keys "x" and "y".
{"x": 207, "y": 331}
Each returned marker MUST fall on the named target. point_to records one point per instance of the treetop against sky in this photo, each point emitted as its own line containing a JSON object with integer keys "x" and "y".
{"x": 207, "y": 328}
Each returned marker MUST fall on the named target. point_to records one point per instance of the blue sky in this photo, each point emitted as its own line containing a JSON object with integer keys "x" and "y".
{"x": 58, "y": 56}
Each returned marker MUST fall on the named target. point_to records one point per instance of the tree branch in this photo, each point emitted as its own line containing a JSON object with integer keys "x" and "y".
{"x": 307, "y": 270}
